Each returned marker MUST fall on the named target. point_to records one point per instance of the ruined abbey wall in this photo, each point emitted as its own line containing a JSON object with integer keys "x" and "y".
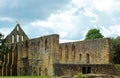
{"x": 36, "y": 56}
{"x": 17, "y": 35}
{"x": 86, "y": 52}
{"x": 46, "y": 56}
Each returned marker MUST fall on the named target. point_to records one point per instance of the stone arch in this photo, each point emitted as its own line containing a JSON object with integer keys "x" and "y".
{"x": 22, "y": 38}
{"x": 66, "y": 52}
{"x": 13, "y": 38}
{"x": 17, "y": 39}
{"x": 46, "y": 44}
{"x": 60, "y": 53}
{"x": 87, "y": 58}
{"x": 73, "y": 51}
{"x": 17, "y": 28}
{"x": 39, "y": 71}
{"x": 46, "y": 72}
{"x": 80, "y": 57}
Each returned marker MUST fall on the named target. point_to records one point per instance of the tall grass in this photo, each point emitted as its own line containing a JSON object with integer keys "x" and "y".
{"x": 24, "y": 77}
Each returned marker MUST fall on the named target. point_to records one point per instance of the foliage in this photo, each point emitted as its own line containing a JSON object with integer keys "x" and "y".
{"x": 93, "y": 34}
{"x": 80, "y": 75}
{"x": 116, "y": 49}
{"x": 117, "y": 66}
{"x": 3, "y": 48}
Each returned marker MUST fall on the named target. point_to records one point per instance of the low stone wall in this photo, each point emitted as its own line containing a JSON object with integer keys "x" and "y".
{"x": 74, "y": 69}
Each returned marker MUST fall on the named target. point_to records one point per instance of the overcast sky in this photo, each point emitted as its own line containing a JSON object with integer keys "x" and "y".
{"x": 71, "y": 19}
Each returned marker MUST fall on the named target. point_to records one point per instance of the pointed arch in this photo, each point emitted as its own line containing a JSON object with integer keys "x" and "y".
{"x": 87, "y": 58}
{"x": 13, "y": 38}
{"x": 80, "y": 56}
{"x": 73, "y": 51}
{"x": 46, "y": 44}
{"x": 66, "y": 52}
{"x": 17, "y": 38}
{"x": 60, "y": 53}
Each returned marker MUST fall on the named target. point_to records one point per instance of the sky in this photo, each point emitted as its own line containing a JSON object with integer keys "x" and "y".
{"x": 71, "y": 19}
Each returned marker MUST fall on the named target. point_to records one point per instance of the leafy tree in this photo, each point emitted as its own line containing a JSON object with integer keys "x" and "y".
{"x": 116, "y": 49}
{"x": 93, "y": 34}
{"x": 3, "y": 49}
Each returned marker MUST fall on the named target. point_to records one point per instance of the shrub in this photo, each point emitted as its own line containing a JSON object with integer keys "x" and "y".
{"x": 80, "y": 75}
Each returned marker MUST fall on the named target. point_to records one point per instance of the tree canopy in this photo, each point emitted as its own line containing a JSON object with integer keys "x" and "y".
{"x": 93, "y": 34}
{"x": 116, "y": 49}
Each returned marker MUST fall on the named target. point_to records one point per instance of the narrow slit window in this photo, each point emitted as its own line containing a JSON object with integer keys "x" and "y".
{"x": 22, "y": 38}
{"x": 80, "y": 57}
{"x": 13, "y": 39}
{"x": 17, "y": 38}
{"x": 17, "y": 28}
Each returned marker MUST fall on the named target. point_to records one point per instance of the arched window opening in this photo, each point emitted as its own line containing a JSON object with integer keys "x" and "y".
{"x": 73, "y": 51}
{"x": 13, "y": 38}
{"x": 46, "y": 71}
{"x": 45, "y": 44}
{"x": 17, "y": 28}
{"x": 60, "y": 51}
{"x": 17, "y": 38}
{"x": 80, "y": 57}
{"x": 40, "y": 71}
{"x": 66, "y": 51}
{"x": 22, "y": 38}
{"x": 87, "y": 58}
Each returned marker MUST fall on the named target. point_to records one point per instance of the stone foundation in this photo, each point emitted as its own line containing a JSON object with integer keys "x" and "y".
{"x": 74, "y": 69}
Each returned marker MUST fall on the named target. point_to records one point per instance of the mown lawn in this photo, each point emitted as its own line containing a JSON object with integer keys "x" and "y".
{"x": 117, "y": 66}
{"x": 24, "y": 77}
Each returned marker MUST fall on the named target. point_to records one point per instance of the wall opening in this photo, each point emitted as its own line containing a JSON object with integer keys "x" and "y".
{"x": 87, "y": 58}
{"x": 80, "y": 57}
{"x": 22, "y": 38}
{"x": 46, "y": 44}
{"x": 40, "y": 71}
{"x": 66, "y": 52}
{"x": 89, "y": 70}
{"x": 17, "y": 28}
{"x": 17, "y": 38}
{"x": 46, "y": 72}
{"x": 86, "y": 70}
{"x": 60, "y": 53}
{"x": 13, "y": 38}
{"x": 73, "y": 51}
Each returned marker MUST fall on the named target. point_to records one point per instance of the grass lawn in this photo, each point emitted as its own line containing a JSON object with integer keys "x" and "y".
{"x": 24, "y": 77}
{"x": 117, "y": 66}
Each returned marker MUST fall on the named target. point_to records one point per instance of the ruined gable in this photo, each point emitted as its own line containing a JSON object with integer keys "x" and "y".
{"x": 17, "y": 35}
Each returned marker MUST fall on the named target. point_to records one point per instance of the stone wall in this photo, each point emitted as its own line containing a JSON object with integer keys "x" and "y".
{"x": 9, "y": 64}
{"x": 45, "y": 56}
{"x": 74, "y": 69}
{"x": 86, "y": 52}
{"x": 17, "y": 35}
{"x": 38, "y": 55}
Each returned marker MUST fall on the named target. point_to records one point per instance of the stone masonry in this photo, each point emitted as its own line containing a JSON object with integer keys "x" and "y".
{"x": 46, "y": 56}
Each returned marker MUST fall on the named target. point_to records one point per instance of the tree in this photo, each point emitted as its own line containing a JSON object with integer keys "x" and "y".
{"x": 116, "y": 49}
{"x": 3, "y": 49}
{"x": 93, "y": 34}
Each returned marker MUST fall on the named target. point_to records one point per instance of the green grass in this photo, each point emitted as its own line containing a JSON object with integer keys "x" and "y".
{"x": 24, "y": 77}
{"x": 117, "y": 66}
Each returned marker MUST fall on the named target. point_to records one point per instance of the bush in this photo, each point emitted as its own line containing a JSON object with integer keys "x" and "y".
{"x": 80, "y": 75}
{"x": 117, "y": 66}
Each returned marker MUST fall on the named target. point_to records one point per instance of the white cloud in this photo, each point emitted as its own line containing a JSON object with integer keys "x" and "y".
{"x": 60, "y": 22}
{"x": 111, "y": 31}
{"x": 8, "y": 19}
{"x": 90, "y": 14}
{"x": 79, "y": 16}
{"x": 42, "y": 23}
{"x": 5, "y": 31}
